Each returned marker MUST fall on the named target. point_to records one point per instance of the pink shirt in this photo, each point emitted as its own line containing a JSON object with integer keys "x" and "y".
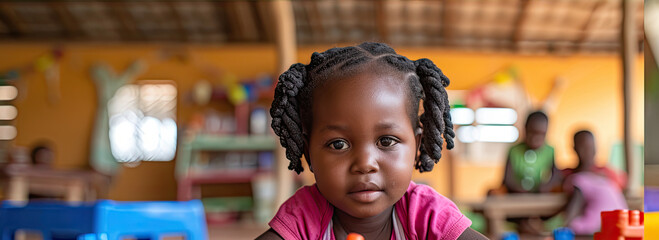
{"x": 600, "y": 194}
{"x": 423, "y": 214}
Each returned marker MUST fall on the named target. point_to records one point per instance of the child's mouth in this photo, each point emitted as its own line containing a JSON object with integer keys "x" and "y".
{"x": 365, "y": 196}
{"x": 365, "y": 192}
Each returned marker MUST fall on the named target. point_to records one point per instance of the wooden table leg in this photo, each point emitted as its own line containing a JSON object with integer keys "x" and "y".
{"x": 18, "y": 189}
{"x": 75, "y": 191}
{"x": 495, "y": 224}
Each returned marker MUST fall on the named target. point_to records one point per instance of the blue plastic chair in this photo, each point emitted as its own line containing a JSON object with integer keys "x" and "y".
{"x": 53, "y": 220}
{"x": 106, "y": 220}
{"x": 148, "y": 220}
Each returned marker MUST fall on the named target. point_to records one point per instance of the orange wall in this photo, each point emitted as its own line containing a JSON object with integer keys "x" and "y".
{"x": 592, "y": 98}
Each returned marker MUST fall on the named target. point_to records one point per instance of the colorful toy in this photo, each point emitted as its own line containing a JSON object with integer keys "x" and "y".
{"x": 563, "y": 234}
{"x": 510, "y": 236}
{"x": 651, "y": 202}
{"x": 621, "y": 224}
{"x": 355, "y": 236}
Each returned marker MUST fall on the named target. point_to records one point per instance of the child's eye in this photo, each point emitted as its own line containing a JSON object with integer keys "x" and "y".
{"x": 387, "y": 141}
{"x": 338, "y": 145}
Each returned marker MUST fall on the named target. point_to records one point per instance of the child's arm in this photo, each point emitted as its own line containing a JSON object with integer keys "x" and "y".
{"x": 574, "y": 206}
{"x": 509, "y": 179}
{"x": 268, "y": 235}
{"x": 470, "y": 234}
{"x": 554, "y": 181}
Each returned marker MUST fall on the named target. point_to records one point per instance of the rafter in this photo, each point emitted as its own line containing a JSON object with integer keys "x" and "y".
{"x": 182, "y": 33}
{"x": 520, "y": 21}
{"x": 381, "y": 21}
{"x": 71, "y": 26}
{"x": 10, "y": 19}
{"x": 118, "y": 11}
{"x": 587, "y": 28}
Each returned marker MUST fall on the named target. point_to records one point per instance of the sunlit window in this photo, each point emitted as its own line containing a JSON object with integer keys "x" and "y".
{"x": 8, "y": 112}
{"x": 462, "y": 116}
{"x": 143, "y": 122}
{"x": 8, "y": 93}
{"x": 492, "y": 125}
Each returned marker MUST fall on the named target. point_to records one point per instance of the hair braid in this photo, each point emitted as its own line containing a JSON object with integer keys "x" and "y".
{"x": 436, "y": 119}
{"x": 286, "y": 121}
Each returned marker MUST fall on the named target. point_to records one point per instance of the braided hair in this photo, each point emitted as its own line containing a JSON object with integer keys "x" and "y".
{"x": 291, "y": 107}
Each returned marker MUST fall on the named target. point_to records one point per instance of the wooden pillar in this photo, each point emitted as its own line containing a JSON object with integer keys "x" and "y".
{"x": 284, "y": 23}
{"x": 628, "y": 52}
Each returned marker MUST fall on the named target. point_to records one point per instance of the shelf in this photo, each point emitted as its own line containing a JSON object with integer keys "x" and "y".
{"x": 234, "y": 143}
{"x": 222, "y": 176}
{"x": 209, "y": 142}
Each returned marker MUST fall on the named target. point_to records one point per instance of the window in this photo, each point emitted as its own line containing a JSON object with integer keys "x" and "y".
{"x": 484, "y": 135}
{"x": 143, "y": 122}
{"x": 7, "y": 112}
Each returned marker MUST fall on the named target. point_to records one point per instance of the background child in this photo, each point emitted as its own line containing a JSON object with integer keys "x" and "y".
{"x": 591, "y": 191}
{"x": 353, "y": 113}
{"x": 530, "y": 165}
{"x": 587, "y": 163}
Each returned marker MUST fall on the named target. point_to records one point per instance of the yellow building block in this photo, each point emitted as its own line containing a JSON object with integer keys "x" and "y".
{"x": 651, "y": 221}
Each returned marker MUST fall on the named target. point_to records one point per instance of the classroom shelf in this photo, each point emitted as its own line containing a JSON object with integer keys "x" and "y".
{"x": 203, "y": 159}
{"x": 190, "y": 148}
{"x": 233, "y": 143}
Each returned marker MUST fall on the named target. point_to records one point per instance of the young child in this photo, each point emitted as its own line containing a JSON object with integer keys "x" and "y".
{"x": 586, "y": 156}
{"x": 530, "y": 165}
{"x": 353, "y": 113}
{"x": 591, "y": 191}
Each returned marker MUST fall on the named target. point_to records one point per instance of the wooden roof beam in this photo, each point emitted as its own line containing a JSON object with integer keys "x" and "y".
{"x": 71, "y": 26}
{"x": 520, "y": 19}
{"x": 588, "y": 26}
{"x": 8, "y": 16}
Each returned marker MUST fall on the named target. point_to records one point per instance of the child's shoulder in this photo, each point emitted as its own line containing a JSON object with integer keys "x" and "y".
{"x": 425, "y": 212}
{"x": 306, "y": 212}
{"x": 426, "y": 198}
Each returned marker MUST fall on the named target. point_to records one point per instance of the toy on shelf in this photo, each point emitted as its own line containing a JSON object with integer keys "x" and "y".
{"x": 621, "y": 224}
{"x": 104, "y": 219}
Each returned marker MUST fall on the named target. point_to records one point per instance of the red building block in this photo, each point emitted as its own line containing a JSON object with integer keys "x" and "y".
{"x": 621, "y": 225}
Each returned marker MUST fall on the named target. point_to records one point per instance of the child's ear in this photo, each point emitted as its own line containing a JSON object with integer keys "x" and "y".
{"x": 306, "y": 150}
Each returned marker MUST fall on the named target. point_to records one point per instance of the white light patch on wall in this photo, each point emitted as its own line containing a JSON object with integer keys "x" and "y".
{"x": 8, "y": 93}
{"x": 506, "y": 134}
{"x": 505, "y": 116}
{"x": 7, "y": 132}
{"x": 142, "y": 124}
{"x": 123, "y": 142}
{"x": 462, "y": 116}
{"x": 158, "y": 138}
{"x": 467, "y": 134}
{"x": 8, "y": 112}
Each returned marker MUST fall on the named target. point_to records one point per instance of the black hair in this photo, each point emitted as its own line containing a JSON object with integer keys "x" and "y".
{"x": 291, "y": 107}
{"x": 36, "y": 149}
{"x": 535, "y": 116}
{"x": 579, "y": 133}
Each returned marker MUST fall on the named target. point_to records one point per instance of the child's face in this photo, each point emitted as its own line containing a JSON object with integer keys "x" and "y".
{"x": 584, "y": 146}
{"x": 362, "y": 145}
{"x": 536, "y": 131}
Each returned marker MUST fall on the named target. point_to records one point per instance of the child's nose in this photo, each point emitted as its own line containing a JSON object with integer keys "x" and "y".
{"x": 365, "y": 161}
